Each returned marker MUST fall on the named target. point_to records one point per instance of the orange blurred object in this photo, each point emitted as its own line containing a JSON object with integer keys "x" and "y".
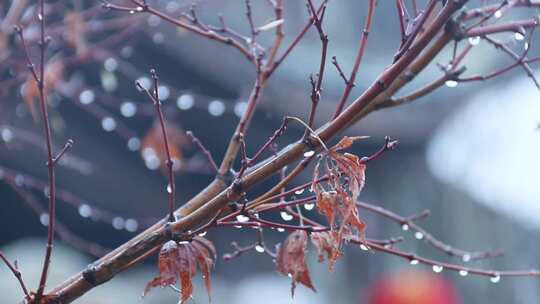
{"x": 153, "y": 146}
{"x": 413, "y": 287}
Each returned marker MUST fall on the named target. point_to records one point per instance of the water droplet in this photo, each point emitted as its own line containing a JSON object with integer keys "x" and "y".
{"x": 242, "y": 218}
{"x": 158, "y": 38}
{"x": 170, "y": 245}
{"x": 118, "y": 223}
{"x": 7, "y": 135}
{"x": 451, "y": 83}
{"x": 128, "y": 109}
{"x": 163, "y": 92}
{"x": 183, "y": 242}
{"x": 495, "y": 279}
{"x": 133, "y": 144}
{"x": 474, "y": 40}
{"x": 463, "y": 273}
{"x": 85, "y": 210}
{"x": 151, "y": 160}
{"x": 437, "y": 268}
{"x": 172, "y": 6}
{"x": 414, "y": 262}
{"x": 289, "y": 275}
{"x": 259, "y": 248}
{"x": 281, "y": 229}
{"x": 177, "y": 163}
{"x": 132, "y": 12}
{"x": 145, "y": 82}
{"x": 286, "y": 216}
{"x": 108, "y": 124}
{"x": 87, "y": 97}
{"x": 526, "y": 46}
{"x": 498, "y": 14}
{"x": 309, "y": 206}
{"x": 418, "y": 235}
{"x": 202, "y": 234}
{"x": 185, "y": 101}
{"x": 139, "y": 9}
{"x": 309, "y": 153}
{"x": 44, "y": 219}
{"x": 169, "y": 188}
{"x": 131, "y": 225}
{"x": 466, "y": 257}
{"x": 240, "y": 108}
{"x": 364, "y": 247}
{"x": 109, "y": 82}
{"x": 216, "y": 108}
{"x": 152, "y": 163}
{"x": 126, "y": 51}
{"x": 110, "y": 64}
{"x": 46, "y": 192}
{"x": 148, "y": 152}
{"x": 40, "y": 17}
{"x": 299, "y": 191}
{"x": 404, "y": 227}
{"x": 153, "y": 20}
{"x": 519, "y": 36}
{"x": 238, "y": 226}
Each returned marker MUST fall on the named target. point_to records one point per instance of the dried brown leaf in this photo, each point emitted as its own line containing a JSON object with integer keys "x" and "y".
{"x": 327, "y": 242}
{"x": 291, "y": 260}
{"x": 178, "y": 261}
{"x": 205, "y": 258}
{"x": 346, "y": 142}
{"x": 326, "y": 205}
{"x": 336, "y": 199}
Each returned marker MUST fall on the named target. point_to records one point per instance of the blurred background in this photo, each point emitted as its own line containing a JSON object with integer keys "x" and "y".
{"x": 469, "y": 153}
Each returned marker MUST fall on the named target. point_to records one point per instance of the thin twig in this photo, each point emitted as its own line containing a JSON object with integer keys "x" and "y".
{"x": 203, "y": 149}
{"x": 358, "y": 60}
{"x": 316, "y": 86}
{"x": 41, "y": 83}
{"x": 408, "y": 223}
{"x": 14, "y": 269}
{"x": 171, "y": 187}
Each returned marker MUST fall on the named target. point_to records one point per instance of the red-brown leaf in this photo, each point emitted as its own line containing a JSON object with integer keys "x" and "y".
{"x": 336, "y": 199}
{"x": 205, "y": 258}
{"x": 327, "y": 242}
{"x": 346, "y": 142}
{"x": 326, "y": 204}
{"x": 178, "y": 261}
{"x": 290, "y": 260}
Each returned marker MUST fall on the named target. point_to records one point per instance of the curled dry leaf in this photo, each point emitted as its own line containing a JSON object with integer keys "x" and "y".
{"x": 326, "y": 243}
{"x": 178, "y": 261}
{"x": 54, "y": 72}
{"x": 152, "y": 144}
{"x": 336, "y": 199}
{"x": 291, "y": 260}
